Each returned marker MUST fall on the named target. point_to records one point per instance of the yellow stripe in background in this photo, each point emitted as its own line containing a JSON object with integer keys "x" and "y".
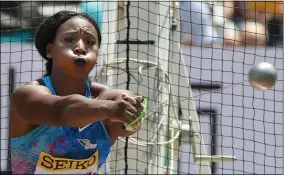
{"x": 268, "y": 7}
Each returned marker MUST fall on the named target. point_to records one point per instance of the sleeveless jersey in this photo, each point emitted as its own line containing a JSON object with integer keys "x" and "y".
{"x": 61, "y": 150}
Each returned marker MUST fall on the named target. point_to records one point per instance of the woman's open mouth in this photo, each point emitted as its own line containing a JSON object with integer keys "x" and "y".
{"x": 80, "y": 61}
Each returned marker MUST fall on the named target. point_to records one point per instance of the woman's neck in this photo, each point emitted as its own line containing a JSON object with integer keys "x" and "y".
{"x": 66, "y": 85}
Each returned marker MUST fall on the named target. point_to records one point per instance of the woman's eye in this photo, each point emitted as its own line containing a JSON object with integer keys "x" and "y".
{"x": 69, "y": 39}
{"x": 90, "y": 42}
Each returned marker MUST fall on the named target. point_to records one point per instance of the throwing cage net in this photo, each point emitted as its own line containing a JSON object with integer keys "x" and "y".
{"x": 190, "y": 60}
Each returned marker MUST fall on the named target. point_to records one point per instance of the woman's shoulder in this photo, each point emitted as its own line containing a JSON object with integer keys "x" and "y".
{"x": 101, "y": 89}
{"x": 97, "y": 88}
{"x": 32, "y": 86}
{"x": 34, "y": 82}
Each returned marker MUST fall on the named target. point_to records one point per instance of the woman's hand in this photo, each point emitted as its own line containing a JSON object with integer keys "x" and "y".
{"x": 117, "y": 129}
{"x": 125, "y": 107}
{"x": 122, "y": 110}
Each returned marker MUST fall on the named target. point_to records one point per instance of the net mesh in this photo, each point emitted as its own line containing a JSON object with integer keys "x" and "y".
{"x": 219, "y": 41}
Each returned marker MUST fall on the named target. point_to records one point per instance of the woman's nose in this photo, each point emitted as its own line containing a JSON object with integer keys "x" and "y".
{"x": 80, "y": 48}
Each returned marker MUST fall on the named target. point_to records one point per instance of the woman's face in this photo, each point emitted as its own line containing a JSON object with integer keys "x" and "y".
{"x": 75, "y": 38}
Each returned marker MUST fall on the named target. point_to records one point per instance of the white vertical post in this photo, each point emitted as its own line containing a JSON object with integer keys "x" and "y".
{"x": 162, "y": 51}
{"x": 109, "y": 34}
{"x": 180, "y": 83}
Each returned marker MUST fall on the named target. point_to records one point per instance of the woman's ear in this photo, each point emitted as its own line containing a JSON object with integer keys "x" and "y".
{"x": 49, "y": 51}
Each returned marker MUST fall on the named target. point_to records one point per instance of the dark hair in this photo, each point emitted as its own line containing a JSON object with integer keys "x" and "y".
{"x": 47, "y": 32}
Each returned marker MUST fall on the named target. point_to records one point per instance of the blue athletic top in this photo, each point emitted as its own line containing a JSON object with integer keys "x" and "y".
{"x": 62, "y": 149}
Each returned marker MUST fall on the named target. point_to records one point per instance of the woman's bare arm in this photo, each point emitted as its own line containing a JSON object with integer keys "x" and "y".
{"x": 38, "y": 106}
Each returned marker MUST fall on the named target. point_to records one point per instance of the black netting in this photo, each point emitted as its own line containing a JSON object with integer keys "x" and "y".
{"x": 219, "y": 43}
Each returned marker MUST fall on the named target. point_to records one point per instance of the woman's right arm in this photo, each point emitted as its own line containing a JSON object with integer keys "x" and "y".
{"x": 37, "y": 106}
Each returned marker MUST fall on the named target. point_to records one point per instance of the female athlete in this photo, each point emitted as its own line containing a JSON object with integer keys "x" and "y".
{"x": 63, "y": 123}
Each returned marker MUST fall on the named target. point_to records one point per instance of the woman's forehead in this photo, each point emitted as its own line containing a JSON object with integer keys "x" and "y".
{"x": 77, "y": 24}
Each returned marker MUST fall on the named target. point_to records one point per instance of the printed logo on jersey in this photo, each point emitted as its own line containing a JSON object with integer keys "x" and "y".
{"x": 47, "y": 164}
{"x": 81, "y": 129}
{"x": 87, "y": 144}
